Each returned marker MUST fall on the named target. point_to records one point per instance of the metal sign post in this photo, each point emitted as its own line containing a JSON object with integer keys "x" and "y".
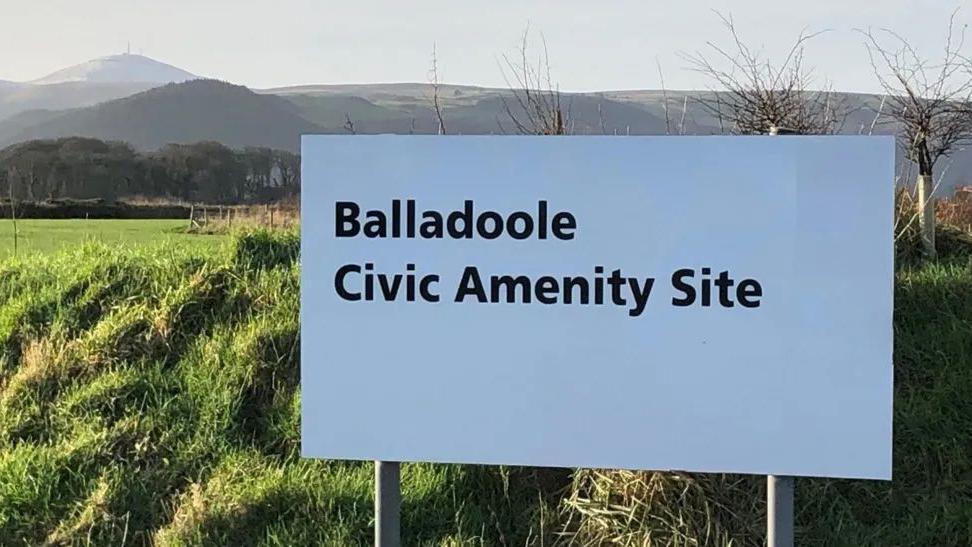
{"x": 779, "y": 489}
{"x": 388, "y": 504}
{"x": 779, "y": 511}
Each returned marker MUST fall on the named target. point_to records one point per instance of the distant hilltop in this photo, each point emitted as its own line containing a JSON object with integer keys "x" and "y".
{"x": 124, "y": 67}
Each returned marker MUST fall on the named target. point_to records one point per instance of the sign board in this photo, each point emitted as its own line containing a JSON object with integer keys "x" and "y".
{"x": 712, "y": 304}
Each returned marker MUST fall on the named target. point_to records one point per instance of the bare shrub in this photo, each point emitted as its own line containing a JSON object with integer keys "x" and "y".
{"x": 753, "y": 95}
{"x": 535, "y": 106}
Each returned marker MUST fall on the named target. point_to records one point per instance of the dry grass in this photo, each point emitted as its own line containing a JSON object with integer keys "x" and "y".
{"x": 956, "y": 211}
{"x": 953, "y": 232}
{"x": 153, "y": 201}
{"x": 220, "y": 220}
{"x": 656, "y": 508}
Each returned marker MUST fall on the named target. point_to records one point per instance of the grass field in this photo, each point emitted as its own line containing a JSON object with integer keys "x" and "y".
{"x": 149, "y": 395}
{"x": 46, "y": 236}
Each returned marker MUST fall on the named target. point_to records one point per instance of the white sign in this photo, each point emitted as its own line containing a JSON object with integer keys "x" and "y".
{"x": 714, "y": 304}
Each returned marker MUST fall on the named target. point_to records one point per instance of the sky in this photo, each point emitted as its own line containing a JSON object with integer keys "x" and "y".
{"x": 592, "y": 45}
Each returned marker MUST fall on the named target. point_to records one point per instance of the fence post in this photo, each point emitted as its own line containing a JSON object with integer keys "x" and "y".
{"x": 13, "y": 218}
{"x": 926, "y": 215}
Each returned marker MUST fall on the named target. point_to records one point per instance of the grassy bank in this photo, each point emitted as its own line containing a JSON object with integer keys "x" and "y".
{"x": 150, "y": 396}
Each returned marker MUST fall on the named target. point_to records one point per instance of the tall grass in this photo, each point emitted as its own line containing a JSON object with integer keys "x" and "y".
{"x": 150, "y": 396}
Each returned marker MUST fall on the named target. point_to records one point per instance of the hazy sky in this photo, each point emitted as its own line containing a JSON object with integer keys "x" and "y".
{"x": 593, "y": 44}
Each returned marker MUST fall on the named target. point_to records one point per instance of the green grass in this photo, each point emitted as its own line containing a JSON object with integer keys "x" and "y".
{"x": 47, "y": 236}
{"x": 149, "y": 395}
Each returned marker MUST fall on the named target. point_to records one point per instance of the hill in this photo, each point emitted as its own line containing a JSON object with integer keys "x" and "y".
{"x": 151, "y": 396}
{"x": 209, "y": 110}
{"x": 16, "y": 98}
{"x": 118, "y": 68}
{"x": 198, "y": 110}
{"x": 205, "y": 109}
{"x": 88, "y": 83}
{"x": 405, "y": 108}
{"x": 24, "y": 121}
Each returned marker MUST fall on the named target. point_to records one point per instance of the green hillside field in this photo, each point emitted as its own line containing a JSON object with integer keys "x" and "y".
{"x": 47, "y": 236}
{"x": 150, "y": 395}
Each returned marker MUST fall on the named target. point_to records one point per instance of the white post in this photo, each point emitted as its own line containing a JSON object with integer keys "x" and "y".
{"x": 926, "y": 216}
{"x": 388, "y": 504}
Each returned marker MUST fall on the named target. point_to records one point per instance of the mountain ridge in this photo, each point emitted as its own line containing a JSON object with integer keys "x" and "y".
{"x": 149, "y": 115}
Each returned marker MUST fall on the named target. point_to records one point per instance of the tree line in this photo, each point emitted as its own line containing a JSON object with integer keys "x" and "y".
{"x": 86, "y": 168}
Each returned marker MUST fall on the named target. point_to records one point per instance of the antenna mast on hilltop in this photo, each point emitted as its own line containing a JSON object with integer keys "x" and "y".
{"x": 128, "y": 49}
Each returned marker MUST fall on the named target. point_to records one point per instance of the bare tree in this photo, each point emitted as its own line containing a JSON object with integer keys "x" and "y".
{"x": 930, "y": 102}
{"x": 661, "y": 77}
{"x": 536, "y": 107}
{"x": 665, "y": 99}
{"x": 436, "y": 103}
{"x": 753, "y": 95}
{"x": 349, "y": 124}
{"x": 681, "y": 119}
{"x": 600, "y": 117}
